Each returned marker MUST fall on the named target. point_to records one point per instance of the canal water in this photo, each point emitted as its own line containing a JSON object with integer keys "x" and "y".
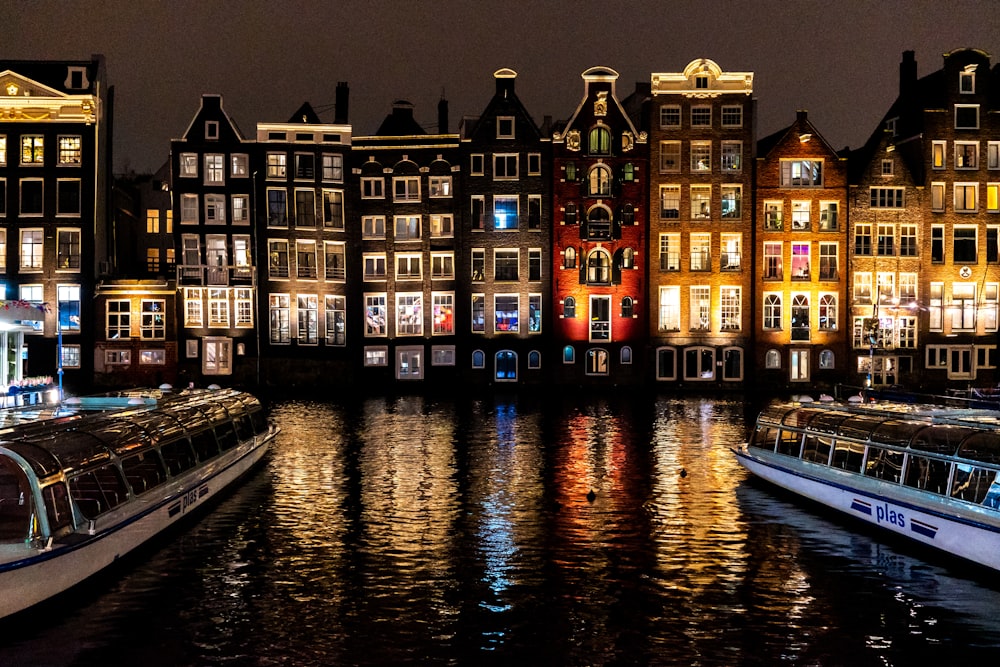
{"x": 613, "y": 530}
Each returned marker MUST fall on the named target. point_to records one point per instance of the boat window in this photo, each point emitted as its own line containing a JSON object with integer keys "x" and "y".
{"x": 929, "y": 474}
{"x": 259, "y": 422}
{"x": 884, "y": 464}
{"x": 848, "y": 455}
{"x": 895, "y": 432}
{"x": 178, "y": 456}
{"x": 859, "y": 427}
{"x": 205, "y": 445}
{"x": 226, "y": 436}
{"x": 15, "y": 502}
{"x": 975, "y": 484}
{"x": 790, "y": 443}
{"x": 97, "y": 491}
{"x": 983, "y": 447}
{"x": 802, "y": 417}
{"x": 42, "y": 462}
{"x": 817, "y": 449}
{"x": 57, "y": 506}
{"x": 765, "y": 437}
{"x": 244, "y": 429}
{"x": 144, "y": 471}
{"x": 940, "y": 439}
{"x": 828, "y": 422}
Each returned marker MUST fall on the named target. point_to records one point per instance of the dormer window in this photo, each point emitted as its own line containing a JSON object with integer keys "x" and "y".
{"x": 76, "y": 78}
{"x": 211, "y": 130}
{"x": 701, "y": 82}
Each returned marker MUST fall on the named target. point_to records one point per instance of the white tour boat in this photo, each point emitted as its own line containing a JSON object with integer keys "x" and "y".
{"x": 84, "y": 482}
{"x": 928, "y": 473}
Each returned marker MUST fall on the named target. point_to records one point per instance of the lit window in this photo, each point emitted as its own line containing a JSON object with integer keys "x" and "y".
{"x": 70, "y": 150}
{"x": 32, "y": 150}
{"x": 277, "y": 165}
{"x": 69, "y": 307}
{"x": 801, "y": 173}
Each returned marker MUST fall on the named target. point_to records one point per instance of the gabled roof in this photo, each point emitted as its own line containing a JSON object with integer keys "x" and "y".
{"x": 400, "y": 122}
{"x": 504, "y": 102}
{"x": 599, "y": 75}
{"x": 305, "y": 115}
{"x": 797, "y": 130}
{"x": 210, "y": 108}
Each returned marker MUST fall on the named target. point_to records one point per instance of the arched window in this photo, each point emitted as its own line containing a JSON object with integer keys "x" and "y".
{"x": 600, "y": 141}
{"x": 626, "y": 355}
{"x": 599, "y": 267}
{"x": 772, "y": 311}
{"x": 506, "y": 366}
{"x": 597, "y": 362}
{"x": 800, "y": 317}
{"x": 772, "y": 359}
{"x": 628, "y": 172}
{"x": 598, "y": 223}
{"x": 826, "y": 359}
{"x": 628, "y": 214}
{"x": 569, "y": 355}
{"x": 599, "y": 181}
{"x": 534, "y": 359}
{"x": 628, "y": 258}
{"x": 699, "y": 363}
{"x": 732, "y": 364}
{"x": 569, "y": 258}
{"x": 478, "y": 359}
{"x": 827, "y": 314}
{"x": 569, "y": 307}
{"x": 627, "y": 306}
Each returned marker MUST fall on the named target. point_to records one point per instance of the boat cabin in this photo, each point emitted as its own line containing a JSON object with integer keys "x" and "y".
{"x": 949, "y": 452}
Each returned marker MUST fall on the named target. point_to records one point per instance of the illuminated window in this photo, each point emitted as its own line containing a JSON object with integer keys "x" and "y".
{"x": 600, "y": 141}
{"x": 215, "y": 209}
{"x": 772, "y": 260}
{"x": 828, "y": 269}
{"x": 800, "y": 317}
{"x": 966, "y": 155}
{"x": 938, "y": 149}
{"x": 279, "y": 318}
{"x": 333, "y": 167}
{"x": 505, "y": 212}
{"x": 478, "y": 313}
{"x": 31, "y": 249}
{"x": 801, "y": 173}
{"x": 700, "y": 307}
{"x": 409, "y": 314}
{"x": 937, "y": 196}
{"x": 700, "y": 252}
{"x": 32, "y": 149}
{"x": 215, "y": 169}
{"x": 801, "y": 211}
{"x": 69, "y": 307}
{"x": 828, "y": 216}
{"x": 701, "y": 202}
{"x": 277, "y": 165}
{"x": 506, "y": 313}
{"x": 3, "y": 150}
{"x": 305, "y": 259}
{"x": 772, "y": 311}
{"x": 307, "y": 312}
{"x": 828, "y": 312}
{"x": 730, "y": 301}
{"x": 334, "y": 264}
{"x": 336, "y": 320}
{"x": 70, "y": 150}
{"x": 239, "y": 163}
{"x": 773, "y": 215}
{"x": 732, "y": 156}
{"x": 599, "y": 181}
{"x": 153, "y": 322}
{"x": 241, "y": 209}
{"x": 443, "y": 313}
{"x": 966, "y": 197}
{"x": 732, "y": 202}
{"x": 439, "y": 186}
{"x": 800, "y": 261}
{"x": 277, "y": 263}
{"x": 534, "y": 313}
{"x": 218, "y": 307}
{"x": 670, "y": 202}
{"x": 701, "y": 156}
{"x": 70, "y": 356}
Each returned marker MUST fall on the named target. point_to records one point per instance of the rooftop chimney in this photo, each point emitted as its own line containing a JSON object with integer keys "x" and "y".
{"x": 443, "y": 116}
{"x": 907, "y": 74}
{"x": 341, "y": 103}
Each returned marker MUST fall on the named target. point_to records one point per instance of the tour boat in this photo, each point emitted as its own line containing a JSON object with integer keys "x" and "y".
{"x": 86, "y": 481}
{"x": 928, "y": 473}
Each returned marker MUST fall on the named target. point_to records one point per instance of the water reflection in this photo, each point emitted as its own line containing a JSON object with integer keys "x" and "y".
{"x": 418, "y": 530}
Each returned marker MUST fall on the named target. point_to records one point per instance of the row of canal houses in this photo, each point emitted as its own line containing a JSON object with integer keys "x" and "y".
{"x": 650, "y": 239}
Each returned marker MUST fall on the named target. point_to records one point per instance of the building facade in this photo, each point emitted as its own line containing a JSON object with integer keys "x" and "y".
{"x": 599, "y": 250}
{"x": 407, "y": 182}
{"x": 934, "y": 251}
{"x": 55, "y": 157}
{"x": 505, "y": 260}
{"x": 701, "y": 278}
{"x": 800, "y": 250}
{"x": 301, "y": 182}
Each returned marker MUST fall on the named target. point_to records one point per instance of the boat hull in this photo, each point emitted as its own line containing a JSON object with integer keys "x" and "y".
{"x": 41, "y": 573}
{"x": 952, "y": 527}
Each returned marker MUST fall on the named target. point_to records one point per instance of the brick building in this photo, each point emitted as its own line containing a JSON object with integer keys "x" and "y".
{"x": 701, "y": 224}
{"x": 799, "y": 254}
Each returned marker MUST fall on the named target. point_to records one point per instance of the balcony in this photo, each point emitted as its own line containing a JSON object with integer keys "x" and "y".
{"x": 202, "y": 274}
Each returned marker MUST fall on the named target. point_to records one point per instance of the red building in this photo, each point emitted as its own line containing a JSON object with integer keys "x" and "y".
{"x": 599, "y": 236}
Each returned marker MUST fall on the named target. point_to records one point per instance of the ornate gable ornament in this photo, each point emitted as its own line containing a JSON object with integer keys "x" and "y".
{"x": 601, "y": 104}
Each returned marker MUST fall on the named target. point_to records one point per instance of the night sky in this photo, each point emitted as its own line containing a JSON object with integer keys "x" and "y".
{"x": 838, "y": 60}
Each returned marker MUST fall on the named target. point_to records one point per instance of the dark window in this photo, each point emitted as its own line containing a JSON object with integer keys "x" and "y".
{"x": 965, "y": 245}
{"x": 937, "y": 244}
